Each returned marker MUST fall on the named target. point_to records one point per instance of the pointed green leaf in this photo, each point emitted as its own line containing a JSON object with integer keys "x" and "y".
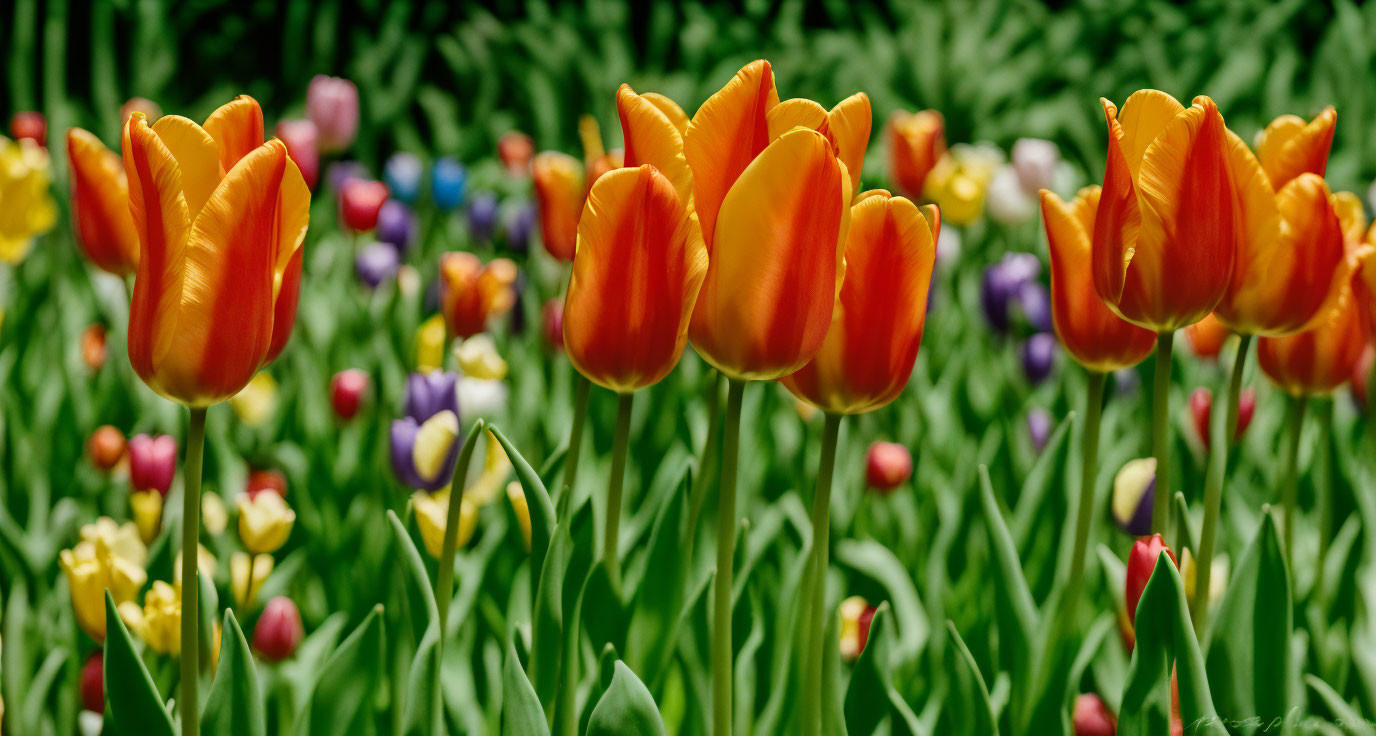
{"x": 626, "y": 708}
{"x": 969, "y": 695}
{"x": 537, "y": 500}
{"x": 546, "y": 638}
{"x": 871, "y": 696}
{"x": 1352, "y": 722}
{"x": 131, "y": 700}
{"x": 348, "y": 681}
{"x": 423, "y": 712}
{"x": 235, "y": 704}
{"x": 653, "y": 627}
{"x": 521, "y": 711}
{"x": 1016, "y": 612}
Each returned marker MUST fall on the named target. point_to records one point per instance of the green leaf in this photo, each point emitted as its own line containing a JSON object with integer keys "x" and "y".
{"x": 349, "y": 679}
{"x": 1352, "y": 722}
{"x": 542, "y": 517}
{"x": 423, "y": 712}
{"x": 546, "y": 638}
{"x": 872, "y": 559}
{"x": 626, "y": 708}
{"x": 235, "y": 704}
{"x": 131, "y": 700}
{"x": 969, "y": 695}
{"x": 1165, "y": 638}
{"x": 1040, "y": 479}
{"x": 521, "y": 711}
{"x": 1016, "y": 612}
{"x": 871, "y": 696}
{"x": 1248, "y": 664}
{"x": 653, "y": 628}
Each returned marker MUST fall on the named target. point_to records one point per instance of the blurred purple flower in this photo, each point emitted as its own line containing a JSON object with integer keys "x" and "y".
{"x": 1039, "y": 427}
{"x": 519, "y": 226}
{"x": 1001, "y": 284}
{"x": 396, "y": 224}
{"x": 376, "y": 263}
{"x": 1038, "y": 357}
{"x": 1035, "y": 302}
{"x": 482, "y": 216}
{"x": 342, "y": 171}
{"x": 426, "y": 396}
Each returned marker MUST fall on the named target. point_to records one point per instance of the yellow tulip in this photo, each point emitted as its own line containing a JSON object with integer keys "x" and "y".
{"x": 478, "y": 358}
{"x": 147, "y": 508}
{"x": 27, "y": 208}
{"x": 432, "y": 518}
{"x": 242, "y": 567}
{"x": 160, "y": 626}
{"x": 265, "y": 521}
{"x": 256, "y": 402}
{"x": 92, "y": 567}
{"x": 430, "y": 344}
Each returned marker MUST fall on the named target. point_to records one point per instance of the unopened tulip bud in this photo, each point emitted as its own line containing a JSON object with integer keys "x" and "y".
{"x": 247, "y": 573}
{"x": 1038, "y": 357}
{"x": 1092, "y": 717}
{"x": 149, "y": 108}
{"x": 1035, "y": 161}
{"x": 346, "y": 392}
{"x": 1206, "y": 337}
{"x": 375, "y": 264}
{"x": 1134, "y": 487}
{"x": 31, "y": 125}
{"x": 1201, "y": 410}
{"x": 152, "y": 462}
{"x": 1039, "y": 427}
{"x": 888, "y": 465}
{"x": 332, "y": 104}
{"x": 279, "y": 630}
{"x": 448, "y": 183}
{"x": 270, "y": 480}
{"x": 93, "y": 347}
{"x": 1141, "y": 563}
{"x": 302, "y": 139}
{"x": 396, "y": 224}
{"x": 478, "y": 358}
{"x": 146, "y": 508}
{"x": 93, "y": 682}
{"x": 430, "y": 345}
{"x": 403, "y": 174}
{"x": 856, "y": 616}
{"x": 265, "y": 522}
{"x": 360, "y": 203}
{"x": 517, "y": 497}
{"x": 516, "y": 149}
{"x": 105, "y": 447}
{"x": 482, "y": 216}
{"x": 552, "y": 319}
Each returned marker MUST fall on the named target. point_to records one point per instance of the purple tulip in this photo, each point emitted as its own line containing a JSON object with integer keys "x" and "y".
{"x": 376, "y": 263}
{"x": 1038, "y": 357}
{"x": 332, "y": 104}
{"x": 340, "y": 172}
{"x": 1039, "y": 427}
{"x": 396, "y": 224}
{"x": 482, "y": 216}
{"x": 1035, "y": 302}
{"x": 426, "y": 396}
{"x": 519, "y": 226}
{"x": 1001, "y": 284}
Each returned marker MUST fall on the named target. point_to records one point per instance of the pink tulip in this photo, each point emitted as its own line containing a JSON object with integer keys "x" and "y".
{"x": 332, "y": 104}
{"x": 152, "y": 462}
{"x": 303, "y": 145}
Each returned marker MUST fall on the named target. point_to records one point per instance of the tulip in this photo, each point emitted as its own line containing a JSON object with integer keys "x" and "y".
{"x": 347, "y": 390}
{"x": 515, "y": 149}
{"x": 1201, "y": 409}
{"x": 1133, "y": 489}
{"x": 340, "y": 172}
{"x": 870, "y": 349}
{"x": 149, "y": 108}
{"x": 360, "y": 202}
{"x": 332, "y": 104}
{"x": 215, "y": 207}
{"x": 430, "y": 344}
{"x": 396, "y": 224}
{"x": 552, "y": 323}
{"x": 1039, "y": 424}
{"x": 99, "y": 563}
{"x": 1164, "y": 234}
{"x": 559, "y": 190}
{"x": 213, "y": 514}
{"x": 161, "y": 620}
{"x": 29, "y": 125}
{"x": 1092, "y": 717}
{"x": 93, "y": 347}
{"x": 472, "y": 293}
{"x": 105, "y": 447}
{"x": 1035, "y": 160}
{"x": 29, "y": 209}
{"x": 1289, "y": 146}
{"x": 1206, "y": 337}
{"x": 302, "y": 140}
{"x": 478, "y": 358}
{"x": 272, "y": 481}
{"x": 257, "y": 402}
{"x": 425, "y": 443}
{"x": 146, "y": 508}
{"x": 152, "y": 462}
{"x": 1034, "y": 300}
{"x": 856, "y": 616}
{"x": 1009, "y": 203}
{"x": 93, "y": 682}
{"x": 1141, "y": 563}
{"x": 1092, "y": 334}
{"x": 482, "y": 216}
{"x": 1320, "y": 359}
{"x": 517, "y": 497}
{"x": 279, "y": 630}
{"x": 100, "y": 204}
{"x": 247, "y": 573}
{"x": 1038, "y": 356}
{"x": 376, "y": 263}
{"x": 960, "y": 181}
{"x": 518, "y": 227}
{"x": 915, "y": 142}
{"x": 404, "y": 174}
{"x": 888, "y": 465}
{"x": 431, "y": 518}
{"x": 1001, "y": 285}
{"x": 265, "y": 522}
{"x": 447, "y": 183}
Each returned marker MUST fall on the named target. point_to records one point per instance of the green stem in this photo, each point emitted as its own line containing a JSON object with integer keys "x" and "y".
{"x": 726, "y": 553}
{"x": 191, "y": 587}
{"x": 610, "y": 552}
{"x": 1161, "y": 435}
{"x": 444, "y": 581}
{"x": 817, "y": 601}
{"x": 1089, "y": 465}
{"x": 1213, "y": 487}
{"x": 580, "y": 413}
{"x": 1294, "y": 425}
{"x": 1323, "y": 487}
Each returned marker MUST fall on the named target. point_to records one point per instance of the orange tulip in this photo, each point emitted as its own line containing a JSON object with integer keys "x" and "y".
{"x": 1164, "y": 233}
{"x": 100, "y": 204}
{"x": 1318, "y": 359}
{"x": 1364, "y": 278}
{"x": 1094, "y": 336}
{"x": 772, "y": 186}
{"x": 1206, "y": 337}
{"x": 1289, "y": 237}
{"x": 915, "y": 142}
{"x": 221, "y": 218}
{"x": 559, "y": 193}
{"x": 472, "y": 293}
{"x": 637, "y": 229}
{"x": 876, "y": 327}
{"x": 1290, "y": 147}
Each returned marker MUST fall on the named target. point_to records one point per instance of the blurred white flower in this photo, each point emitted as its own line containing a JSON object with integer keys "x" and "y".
{"x": 1035, "y": 161}
{"x": 480, "y": 397}
{"x": 948, "y": 246}
{"x": 1008, "y": 202}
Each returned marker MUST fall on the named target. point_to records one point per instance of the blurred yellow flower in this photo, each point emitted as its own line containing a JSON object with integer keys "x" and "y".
{"x": 959, "y": 181}
{"x": 241, "y": 565}
{"x": 431, "y": 512}
{"x": 265, "y": 521}
{"x": 110, "y": 557}
{"x": 496, "y": 469}
{"x": 160, "y": 623}
{"x": 147, "y": 508}
{"x": 214, "y": 516}
{"x": 434, "y": 440}
{"x": 27, "y": 208}
{"x": 518, "y": 504}
{"x": 256, "y": 402}
{"x": 206, "y": 564}
{"x": 430, "y": 344}
{"x": 215, "y": 647}
{"x": 478, "y": 358}
{"x": 121, "y": 539}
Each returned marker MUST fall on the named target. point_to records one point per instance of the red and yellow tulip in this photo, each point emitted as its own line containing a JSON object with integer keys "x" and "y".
{"x": 1094, "y": 336}
{"x": 559, "y": 193}
{"x": 471, "y": 292}
{"x": 1289, "y": 146}
{"x": 914, "y": 142}
{"x": 221, "y": 217}
{"x": 772, "y": 186}
{"x": 1164, "y": 234}
{"x": 876, "y": 327}
{"x": 637, "y": 231}
{"x": 100, "y": 204}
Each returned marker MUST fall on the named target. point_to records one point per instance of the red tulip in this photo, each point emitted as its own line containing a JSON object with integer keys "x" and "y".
{"x": 1092, "y": 717}
{"x": 360, "y": 202}
{"x": 93, "y": 683}
{"x": 888, "y": 465}
{"x": 346, "y": 392}
{"x": 1141, "y": 563}
{"x": 266, "y": 480}
{"x": 31, "y": 125}
{"x": 279, "y": 630}
{"x": 302, "y": 139}
{"x": 552, "y": 318}
{"x": 152, "y": 462}
{"x": 1201, "y": 405}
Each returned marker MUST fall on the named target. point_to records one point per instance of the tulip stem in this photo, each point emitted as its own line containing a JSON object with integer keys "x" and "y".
{"x": 191, "y": 586}
{"x": 611, "y": 555}
{"x": 444, "y": 580}
{"x": 1294, "y": 425}
{"x": 1089, "y": 465}
{"x": 1323, "y": 489}
{"x": 580, "y": 413}
{"x": 1213, "y": 486}
{"x": 1161, "y": 435}
{"x": 817, "y": 601}
{"x": 726, "y": 554}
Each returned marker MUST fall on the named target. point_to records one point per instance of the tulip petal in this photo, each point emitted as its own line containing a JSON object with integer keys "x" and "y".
{"x": 1290, "y": 147}
{"x": 728, "y": 132}
{"x": 194, "y": 150}
{"x": 559, "y": 188}
{"x": 1118, "y": 218}
{"x": 850, "y": 123}
{"x": 293, "y": 216}
{"x": 237, "y": 127}
{"x": 798, "y": 112}
{"x": 1145, "y": 115}
{"x": 651, "y": 138}
{"x": 670, "y": 109}
{"x": 776, "y": 260}
{"x": 100, "y": 203}
{"x": 158, "y": 207}
{"x": 639, "y": 266}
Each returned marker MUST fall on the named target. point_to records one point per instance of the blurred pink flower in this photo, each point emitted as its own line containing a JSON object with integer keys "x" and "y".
{"x": 332, "y": 104}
